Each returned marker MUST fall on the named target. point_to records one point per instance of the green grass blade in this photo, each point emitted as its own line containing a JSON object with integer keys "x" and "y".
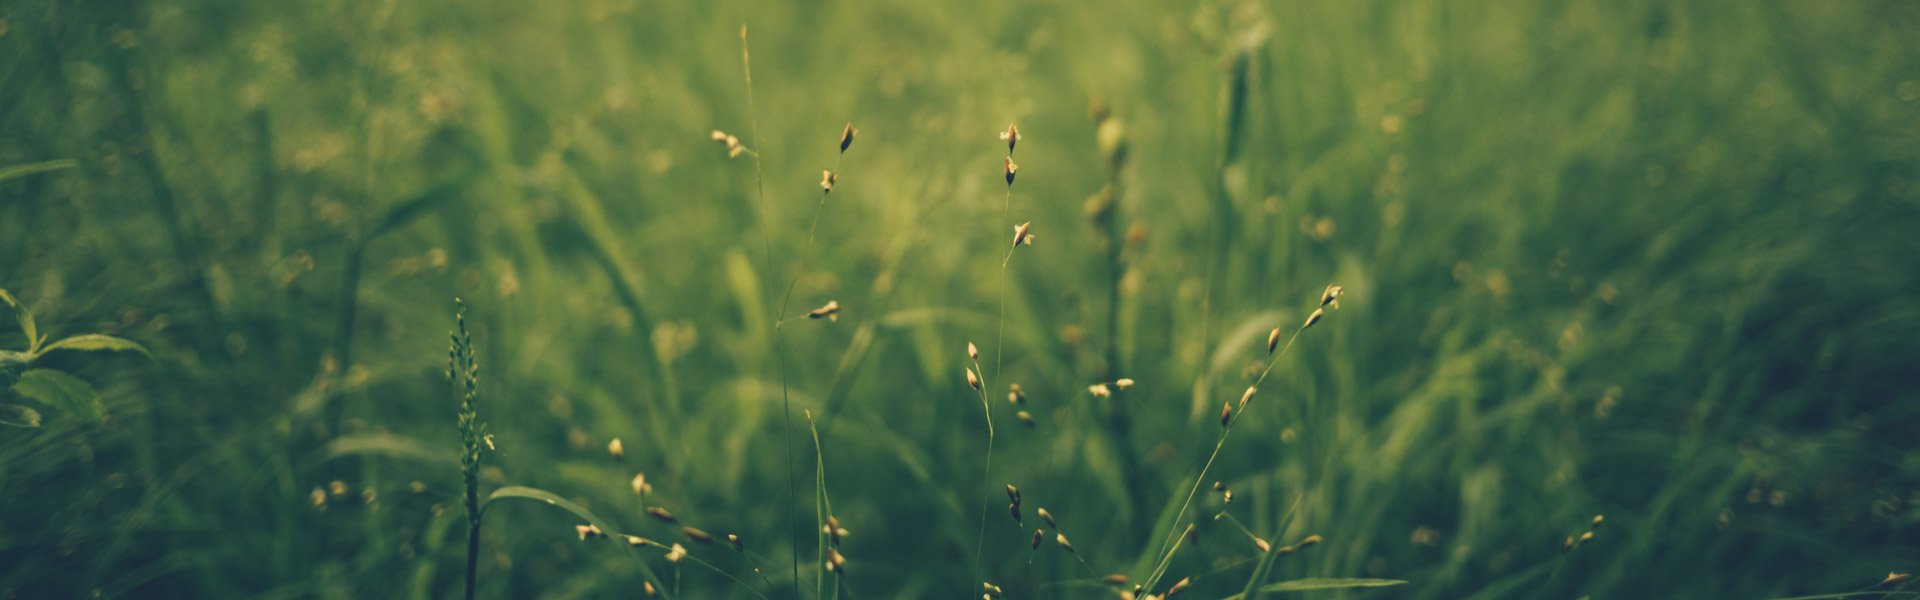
{"x": 12, "y": 172}
{"x": 95, "y": 342}
{"x": 1314, "y": 584}
{"x": 551, "y": 499}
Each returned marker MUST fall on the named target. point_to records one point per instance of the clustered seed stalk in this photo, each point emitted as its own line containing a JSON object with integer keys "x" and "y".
{"x": 463, "y": 371}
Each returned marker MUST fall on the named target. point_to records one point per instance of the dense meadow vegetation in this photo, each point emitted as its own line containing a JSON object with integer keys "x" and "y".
{"x": 1628, "y": 299}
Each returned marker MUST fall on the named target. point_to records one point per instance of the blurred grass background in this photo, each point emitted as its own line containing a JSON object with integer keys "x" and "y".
{"x": 1646, "y": 259}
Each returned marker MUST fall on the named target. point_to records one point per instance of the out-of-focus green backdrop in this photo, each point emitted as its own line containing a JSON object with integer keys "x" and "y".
{"x": 1648, "y": 259}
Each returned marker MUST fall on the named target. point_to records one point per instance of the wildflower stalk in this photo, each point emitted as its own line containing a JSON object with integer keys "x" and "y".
{"x": 464, "y": 373}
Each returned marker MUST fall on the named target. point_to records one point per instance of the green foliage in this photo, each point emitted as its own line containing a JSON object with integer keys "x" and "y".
{"x": 53, "y": 388}
{"x": 62, "y": 391}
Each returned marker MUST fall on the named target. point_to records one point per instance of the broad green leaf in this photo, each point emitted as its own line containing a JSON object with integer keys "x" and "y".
{"x": 61, "y": 391}
{"x": 19, "y": 415}
{"x": 11, "y": 172}
{"x": 91, "y": 342}
{"x": 552, "y": 499}
{"x": 11, "y": 365}
{"x": 25, "y": 318}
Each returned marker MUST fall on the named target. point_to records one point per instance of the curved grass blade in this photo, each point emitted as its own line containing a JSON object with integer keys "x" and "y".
{"x": 1314, "y": 584}
{"x": 11, "y": 172}
{"x": 96, "y": 342}
{"x": 551, "y": 499}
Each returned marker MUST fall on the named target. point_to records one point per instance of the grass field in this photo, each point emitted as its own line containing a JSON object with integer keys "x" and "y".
{"x": 1653, "y": 261}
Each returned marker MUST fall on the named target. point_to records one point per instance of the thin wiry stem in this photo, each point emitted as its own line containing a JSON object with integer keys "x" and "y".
{"x": 986, "y": 405}
{"x": 766, "y": 238}
{"x": 1217, "y": 444}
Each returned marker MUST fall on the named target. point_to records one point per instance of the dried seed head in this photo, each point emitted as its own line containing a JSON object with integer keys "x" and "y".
{"x": 829, "y": 311}
{"x": 731, "y": 143}
{"x": 1227, "y": 497}
{"x": 661, "y": 514}
{"x": 1024, "y": 417}
{"x": 616, "y": 449}
{"x": 1014, "y": 509}
{"x": 1061, "y": 538}
{"x": 1597, "y": 520}
{"x": 1219, "y": 486}
{"x": 827, "y": 179}
{"x": 1226, "y": 414}
{"x": 319, "y": 498}
{"x": 648, "y": 587}
{"x": 676, "y": 553}
{"x": 973, "y": 380}
{"x": 1568, "y": 546}
{"x": 1011, "y": 136}
{"x": 1016, "y": 395}
{"x": 1262, "y": 545}
{"x": 697, "y": 535}
{"x": 1116, "y": 579}
{"x": 1013, "y": 494}
{"x": 587, "y": 531}
{"x": 1896, "y": 579}
{"x": 1309, "y": 541}
{"x": 973, "y": 352}
{"x": 1273, "y": 340}
{"x": 640, "y": 485}
{"x": 1023, "y": 234}
{"x": 1123, "y": 383}
{"x": 1331, "y": 297}
{"x": 1048, "y": 517}
{"x": 1011, "y": 170}
{"x": 1285, "y": 550}
{"x": 835, "y": 561}
{"x": 337, "y": 488}
{"x": 1313, "y": 318}
{"x": 846, "y": 137}
{"x": 1179, "y": 586}
{"x": 991, "y": 588}
{"x": 1038, "y": 535}
{"x": 1586, "y": 537}
{"x": 1247, "y": 395}
{"x": 634, "y": 540}
{"x": 734, "y": 540}
{"x": 1099, "y": 390}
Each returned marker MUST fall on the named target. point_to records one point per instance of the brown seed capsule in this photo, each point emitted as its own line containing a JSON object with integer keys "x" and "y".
{"x": 1061, "y": 538}
{"x": 827, "y": 179}
{"x": 1226, "y": 414}
{"x": 830, "y": 311}
{"x": 661, "y": 514}
{"x": 1024, "y": 417}
{"x": 1247, "y": 395}
{"x": 846, "y": 137}
{"x": 1313, "y": 318}
{"x": 1037, "y": 536}
{"x": 697, "y": 535}
{"x": 616, "y": 449}
{"x": 1273, "y": 340}
{"x": 973, "y": 352}
{"x": 1048, "y": 517}
{"x": 1023, "y": 234}
{"x": 1179, "y": 586}
{"x": 973, "y": 381}
{"x": 1011, "y": 136}
{"x": 1011, "y": 170}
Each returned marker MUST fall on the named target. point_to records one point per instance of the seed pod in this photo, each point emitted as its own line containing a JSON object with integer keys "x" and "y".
{"x": 1099, "y": 390}
{"x": 1016, "y": 395}
{"x": 1062, "y": 539}
{"x": 1313, "y": 318}
{"x": 640, "y": 485}
{"x": 973, "y": 352}
{"x": 1247, "y": 395}
{"x": 1597, "y": 520}
{"x": 1023, "y": 234}
{"x": 1586, "y": 537}
{"x": 1331, "y": 296}
{"x": 1309, "y": 541}
{"x": 1227, "y": 497}
{"x": 1262, "y": 545}
{"x": 1014, "y": 509}
{"x": 634, "y": 540}
{"x": 1116, "y": 579}
{"x": 1037, "y": 536}
{"x": 1179, "y": 586}
{"x": 675, "y": 553}
{"x": 1226, "y": 414}
{"x": 648, "y": 587}
{"x": 616, "y": 449}
{"x": 1011, "y": 170}
{"x": 697, "y": 535}
{"x": 827, "y": 179}
{"x": 1273, "y": 340}
{"x": 973, "y": 381}
{"x": 1011, "y": 136}
{"x": 991, "y": 588}
{"x": 588, "y": 531}
{"x": 1024, "y": 417}
{"x": 1013, "y": 494}
{"x": 835, "y": 561}
{"x": 830, "y": 311}
{"x": 1123, "y": 383}
{"x": 1219, "y": 486}
{"x": 846, "y": 137}
{"x": 1048, "y": 517}
{"x": 661, "y": 514}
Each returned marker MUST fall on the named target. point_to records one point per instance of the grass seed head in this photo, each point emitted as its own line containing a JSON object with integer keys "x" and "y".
{"x": 829, "y": 311}
{"x": 634, "y": 540}
{"x": 616, "y": 449}
{"x": 734, "y": 540}
{"x": 1273, "y": 340}
{"x": 1011, "y": 136}
{"x": 1597, "y": 520}
{"x": 835, "y": 561}
{"x": 1016, "y": 395}
{"x": 1061, "y": 538}
{"x": 846, "y": 137}
{"x": 973, "y": 352}
{"x": 827, "y": 179}
{"x": 1226, "y": 414}
{"x": 1179, "y": 586}
{"x": 697, "y": 535}
{"x": 588, "y": 531}
{"x": 661, "y": 514}
{"x": 1227, "y": 497}
{"x": 1048, "y": 517}
{"x": 991, "y": 588}
{"x": 1116, "y": 580}
{"x": 1038, "y": 535}
{"x": 1247, "y": 395}
{"x": 973, "y": 380}
{"x": 1023, "y": 233}
{"x": 675, "y": 553}
{"x": 1896, "y": 579}
{"x": 1013, "y": 494}
{"x": 1331, "y": 297}
{"x": 1219, "y": 486}
{"x": 1309, "y": 541}
{"x": 1262, "y": 545}
{"x": 1099, "y": 390}
{"x": 640, "y": 485}
{"x": 648, "y": 587}
{"x": 1014, "y": 510}
{"x": 1313, "y": 318}
{"x": 1025, "y": 417}
{"x": 1011, "y": 169}
{"x": 1123, "y": 383}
